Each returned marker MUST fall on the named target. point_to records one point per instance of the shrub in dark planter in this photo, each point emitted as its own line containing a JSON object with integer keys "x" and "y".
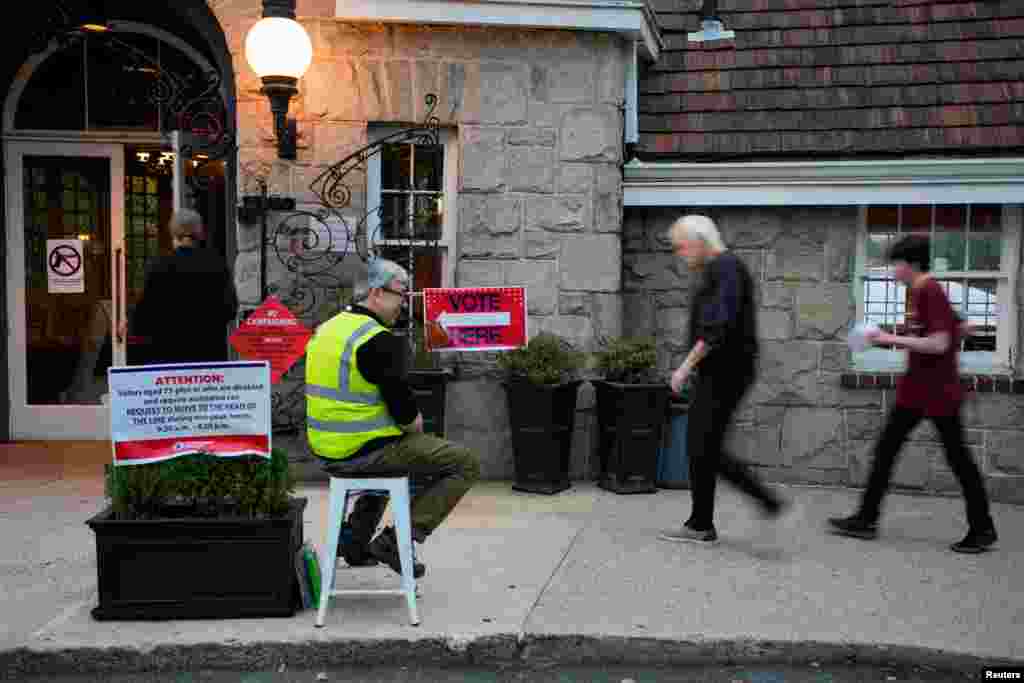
{"x": 632, "y": 405}
{"x": 199, "y": 537}
{"x": 541, "y": 387}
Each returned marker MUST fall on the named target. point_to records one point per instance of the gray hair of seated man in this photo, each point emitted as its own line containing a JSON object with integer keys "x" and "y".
{"x": 379, "y": 274}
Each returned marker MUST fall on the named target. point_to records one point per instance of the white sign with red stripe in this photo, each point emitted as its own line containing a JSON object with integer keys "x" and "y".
{"x": 158, "y": 412}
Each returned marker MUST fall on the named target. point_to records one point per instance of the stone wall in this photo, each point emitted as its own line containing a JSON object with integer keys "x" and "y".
{"x": 539, "y": 128}
{"x": 799, "y": 424}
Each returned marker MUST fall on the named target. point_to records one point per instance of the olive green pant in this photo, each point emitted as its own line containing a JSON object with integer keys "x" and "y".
{"x": 440, "y": 473}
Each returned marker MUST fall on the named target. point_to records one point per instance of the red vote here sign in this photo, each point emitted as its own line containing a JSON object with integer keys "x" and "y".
{"x": 475, "y": 318}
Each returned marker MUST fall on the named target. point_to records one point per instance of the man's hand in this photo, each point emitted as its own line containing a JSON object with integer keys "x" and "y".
{"x": 679, "y": 378}
{"x": 416, "y": 426}
{"x": 122, "y": 330}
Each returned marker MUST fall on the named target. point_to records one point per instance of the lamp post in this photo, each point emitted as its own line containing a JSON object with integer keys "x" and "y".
{"x": 279, "y": 50}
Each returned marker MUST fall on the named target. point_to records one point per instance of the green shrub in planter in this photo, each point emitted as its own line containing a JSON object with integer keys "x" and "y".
{"x": 541, "y": 386}
{"x": 202, "y": 485}
{"x": 629, "y": 361}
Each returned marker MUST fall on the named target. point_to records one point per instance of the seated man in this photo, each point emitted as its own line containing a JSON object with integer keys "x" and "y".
{"x": 361, "y": 415}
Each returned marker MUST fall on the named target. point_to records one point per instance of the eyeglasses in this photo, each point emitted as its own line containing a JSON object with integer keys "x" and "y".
{"x": 394, "y": 291}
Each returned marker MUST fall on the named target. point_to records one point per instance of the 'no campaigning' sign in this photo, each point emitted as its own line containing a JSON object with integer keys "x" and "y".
{"x": 159, "y": 412}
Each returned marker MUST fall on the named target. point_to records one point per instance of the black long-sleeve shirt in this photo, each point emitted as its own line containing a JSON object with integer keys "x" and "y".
{"x": 381, "y": 361}
{"x": 723, "y": 313}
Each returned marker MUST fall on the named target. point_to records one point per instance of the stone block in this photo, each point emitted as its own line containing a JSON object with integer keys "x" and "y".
{"x": 611, "y": 82}
{"x": 775, "y": 325}
{"x": 654, "y": 271}
{"x": 1006, "y": 452}
{"x": 574, "y": 178}
{"x": 574, "y": 303}
{"x": 1006, "y": 489}
{"x": 541, "y": 244}
{"x": 638, "y": 314}
{"x": 539, "y": 83}
{"x": 863, "y": 425}
{"x": 813, "y": 438}
{"x": 322, "y": 97}
{"x": 749, "y": 227}
{"x": 835, "y": 357}
{"x": 634, "y": 231}
{"x": 532, "y": 137}
{"x": 490, "y": 226}
{"x": 247, "y": 277}
{"x": 558, "y": 214}
{"x": 399, "y": 91}
{"x": 591, "y": 135}
{"x": 494, "y": 449}
{"x": 756, "y": 445}
{"x": 479, "y": 273}
{"x": 483, "y": 159}
{"x": 541, "y": 281}
{"x": 592, "y": 263}
{"x": 672, "y": 298}
{"x": 337, "y": 39}
{"x": 582, "y": 461}
{"x": 607, "y": 316}
{"x": 570, "y": 81}
{"x": 530, "y": 169}
{"x": 477, "y": 404}
{"x": 913, "y": 469}
{"x": 659, "y": 221}
{"x": 796, "y": 260}
{"x": 995, "y": 411}
{"x": 503, "y": 88}
{"x": 673, "y": 322}
{"x": 823, "y": 312}
{"x": 841, "y": 248}
{"x": 788, "y": 374}
{"x": 335, "y": 141}
{"x": 429, "y": 79}
{"x": 776, "y": 295}
{"x": 830, "y": 392}
{"x": 608, "y": 199}
{"x": 578, "y": 330}
{"x": 754, "y": 261}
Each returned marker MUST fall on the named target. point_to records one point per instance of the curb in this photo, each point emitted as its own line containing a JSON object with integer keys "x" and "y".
{"x": 18, "y": 663}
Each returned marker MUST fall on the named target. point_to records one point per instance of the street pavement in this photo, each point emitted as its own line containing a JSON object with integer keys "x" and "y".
{"x": 578, "y": 578}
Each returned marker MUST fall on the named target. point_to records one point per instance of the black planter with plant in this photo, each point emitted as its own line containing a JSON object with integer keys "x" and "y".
{"x": 541, "y": 386}
{"x": 631, "y": 409}
{"x": 199, "y": 537}
{"x": 427, "y": 378}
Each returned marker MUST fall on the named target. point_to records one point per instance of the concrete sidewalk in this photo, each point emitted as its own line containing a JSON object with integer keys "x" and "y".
{"x": 579, "y": 576}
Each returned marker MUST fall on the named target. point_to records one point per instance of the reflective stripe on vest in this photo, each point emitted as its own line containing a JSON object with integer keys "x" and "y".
{"x": 343, "y": 393}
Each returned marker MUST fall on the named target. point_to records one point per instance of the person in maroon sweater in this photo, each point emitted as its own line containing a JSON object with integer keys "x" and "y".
{"x": 930, "y": 388}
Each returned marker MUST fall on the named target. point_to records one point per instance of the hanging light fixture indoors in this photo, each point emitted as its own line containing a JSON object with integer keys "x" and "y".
{"x": 93, "y": 17}
{"x": 279, "y": 50}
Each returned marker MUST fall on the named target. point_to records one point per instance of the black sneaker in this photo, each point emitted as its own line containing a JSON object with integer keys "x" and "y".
{"x": 687, "y": 534}
{"x": 975, "y": 542}
{"x": 384, "y": 548}
{"x": 356, "y": 555}
{"x": 853, "y": 526}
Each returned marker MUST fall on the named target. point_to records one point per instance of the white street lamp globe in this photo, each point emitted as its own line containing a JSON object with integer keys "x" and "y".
{"x": 277, "y": 46}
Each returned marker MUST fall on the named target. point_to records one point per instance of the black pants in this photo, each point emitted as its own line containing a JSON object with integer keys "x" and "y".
{"x": 899, "y": 425}
{"x": 717, "y": 395}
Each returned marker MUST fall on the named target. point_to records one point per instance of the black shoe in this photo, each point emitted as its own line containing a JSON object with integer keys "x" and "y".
{"x": 975, "y": 542}
{"x": 853, "y": 526}
{"x": 385, "y": 549}
{"x": 356, "y": 555}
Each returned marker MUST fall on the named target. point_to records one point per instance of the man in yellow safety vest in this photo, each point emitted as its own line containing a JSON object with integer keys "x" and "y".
{"x": 361, "y": 415}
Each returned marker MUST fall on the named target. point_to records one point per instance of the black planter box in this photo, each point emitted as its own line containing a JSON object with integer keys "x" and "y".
{"x": 631, "y": 423}
{"x": 430, "y": 387}
{"x": 542, "y": 418}
{"x": 195, "y": 568}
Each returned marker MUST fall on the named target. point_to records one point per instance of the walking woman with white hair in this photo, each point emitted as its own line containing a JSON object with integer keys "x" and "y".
{"x": 724, "y": 348}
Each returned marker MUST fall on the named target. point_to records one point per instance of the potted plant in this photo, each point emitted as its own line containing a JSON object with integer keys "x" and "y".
{"x": 201, "y": 537}
{"x": 541, "y": 386}
{"x": 632, "y": 404}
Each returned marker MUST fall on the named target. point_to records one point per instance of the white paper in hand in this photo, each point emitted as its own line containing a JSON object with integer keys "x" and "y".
{"x": 858, "y": 339}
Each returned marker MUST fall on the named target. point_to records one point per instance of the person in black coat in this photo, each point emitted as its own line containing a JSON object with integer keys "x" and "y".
{"x": 188, "y": 299}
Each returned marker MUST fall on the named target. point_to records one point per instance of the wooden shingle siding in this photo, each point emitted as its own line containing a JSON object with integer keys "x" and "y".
{"x": 837, "y": 77}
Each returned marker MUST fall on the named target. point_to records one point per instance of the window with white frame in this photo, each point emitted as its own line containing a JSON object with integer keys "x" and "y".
{"x": 411, "y": 192}
{"x": 974, "y": 250}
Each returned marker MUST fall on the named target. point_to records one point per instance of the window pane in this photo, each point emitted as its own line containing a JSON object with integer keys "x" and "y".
{"x": 394, "y": 167}
{"x": 986, "y": 218}
{"x": 877, "y": 249}
{"x": 949, "y": 242}
{"x": 916, "y": 219}
{"x": 984, "y": 251}
{"x": 983, "y": 315}
{"x": 394, "y": 217}
{"x": 429, "y": 166}
{"x": 427, "y": 221}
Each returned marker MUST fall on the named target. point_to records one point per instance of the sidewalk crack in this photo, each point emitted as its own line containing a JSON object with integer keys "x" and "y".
{"x": 551, "y": 578}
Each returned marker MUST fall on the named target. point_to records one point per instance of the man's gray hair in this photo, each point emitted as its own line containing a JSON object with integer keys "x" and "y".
{"x": 379, "y": 274}
{"x": 186, "y": 223}
{"x": 697, "y": 227}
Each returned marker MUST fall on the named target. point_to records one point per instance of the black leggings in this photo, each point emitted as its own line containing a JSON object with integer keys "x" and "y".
{"x": 899, "y": 425}
{"x": 716, "y": 397}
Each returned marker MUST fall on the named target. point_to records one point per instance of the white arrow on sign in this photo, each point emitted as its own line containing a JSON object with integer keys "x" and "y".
{"x": 447, "y": 320}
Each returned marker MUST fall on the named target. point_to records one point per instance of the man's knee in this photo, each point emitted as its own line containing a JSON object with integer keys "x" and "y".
{"x": 467, "y": 461}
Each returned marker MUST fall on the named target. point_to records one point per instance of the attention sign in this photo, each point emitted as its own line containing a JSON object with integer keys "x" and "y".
{"x": 272, "y": 333}
{"x": 475, "y": 318}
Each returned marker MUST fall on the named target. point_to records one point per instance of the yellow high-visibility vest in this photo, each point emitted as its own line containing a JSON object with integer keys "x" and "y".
{"x": 343, "y": 409}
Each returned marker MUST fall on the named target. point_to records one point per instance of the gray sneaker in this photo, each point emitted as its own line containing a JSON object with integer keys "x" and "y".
{"x": 685, "y": 534}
